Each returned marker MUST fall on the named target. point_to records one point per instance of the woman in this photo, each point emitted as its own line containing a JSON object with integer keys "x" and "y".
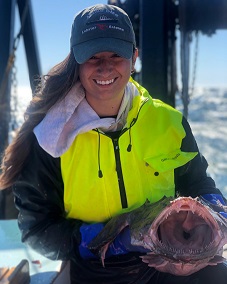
{"x": 94, "y": 144}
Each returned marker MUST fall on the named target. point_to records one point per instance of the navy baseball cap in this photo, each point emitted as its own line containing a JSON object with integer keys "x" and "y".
{"x": 102, "y": 28}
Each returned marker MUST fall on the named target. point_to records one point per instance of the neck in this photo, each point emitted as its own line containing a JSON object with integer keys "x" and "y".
{"x": 105, "y": 108}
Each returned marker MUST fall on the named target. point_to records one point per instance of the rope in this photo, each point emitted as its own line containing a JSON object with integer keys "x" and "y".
{"x": 195, "y": 63}
{"x": 185, "y": 40}
{"x": 11, "y": 58}
{"x": 14, "y": 100}
{"x": 185, "y": 63}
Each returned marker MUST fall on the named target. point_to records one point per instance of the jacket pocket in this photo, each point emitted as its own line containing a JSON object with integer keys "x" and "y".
{"x": 170, "y": 161}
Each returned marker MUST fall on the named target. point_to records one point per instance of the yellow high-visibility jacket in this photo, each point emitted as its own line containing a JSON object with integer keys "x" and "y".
{"x": 105, "y": 176}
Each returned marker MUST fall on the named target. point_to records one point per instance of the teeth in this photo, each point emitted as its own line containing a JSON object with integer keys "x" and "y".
{"x": 104, "y": 82}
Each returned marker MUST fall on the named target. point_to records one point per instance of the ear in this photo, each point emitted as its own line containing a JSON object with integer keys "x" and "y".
{"x": 134, "y": 57}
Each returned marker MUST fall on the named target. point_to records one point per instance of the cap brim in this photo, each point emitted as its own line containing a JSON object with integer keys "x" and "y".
{"x": 84, "y": 51}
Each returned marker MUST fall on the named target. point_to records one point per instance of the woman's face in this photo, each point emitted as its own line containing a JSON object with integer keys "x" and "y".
{"x": 105, "y": 75}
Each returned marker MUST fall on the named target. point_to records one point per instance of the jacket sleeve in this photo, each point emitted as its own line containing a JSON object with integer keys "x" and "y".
{"x": 192, "y": 179}
{"x": 39, "y": 198}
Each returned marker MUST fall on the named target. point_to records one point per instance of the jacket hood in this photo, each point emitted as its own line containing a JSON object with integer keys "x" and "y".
{"x": 73, "y": 115}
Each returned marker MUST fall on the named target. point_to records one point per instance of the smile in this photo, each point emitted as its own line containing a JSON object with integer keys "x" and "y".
{"x": 107, "y": 82}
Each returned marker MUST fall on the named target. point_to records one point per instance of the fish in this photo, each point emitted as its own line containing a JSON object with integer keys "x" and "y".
{"x": 181, "y": 235}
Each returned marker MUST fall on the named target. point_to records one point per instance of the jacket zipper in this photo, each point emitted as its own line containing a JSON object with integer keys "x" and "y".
{"x": 123, "y": 196}
{"x": 124, "y": 202}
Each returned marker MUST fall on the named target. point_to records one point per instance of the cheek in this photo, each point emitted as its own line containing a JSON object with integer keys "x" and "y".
{"x": 128, "y": 67}
{"x": 84, "y": 74}
{"x": 81, "y": 71}
{"x": 126, "y": 70}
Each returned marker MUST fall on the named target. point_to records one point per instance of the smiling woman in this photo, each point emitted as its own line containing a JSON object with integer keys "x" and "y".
{"x": 95, "y": 145}
{"x": 104, "y": 77}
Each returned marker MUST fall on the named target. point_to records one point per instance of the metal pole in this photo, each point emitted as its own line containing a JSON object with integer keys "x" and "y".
{"x": 153, "y": 47}
{"x": 30, "y": 41}
{"x": 7, "y": 20}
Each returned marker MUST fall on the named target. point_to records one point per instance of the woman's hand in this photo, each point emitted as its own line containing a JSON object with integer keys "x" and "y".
{"x": 120, "y": 245}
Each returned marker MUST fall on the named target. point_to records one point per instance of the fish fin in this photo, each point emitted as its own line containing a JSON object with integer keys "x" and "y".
{"x": 154, "y": 260}
{"x": 216, "y": 259}
{"x": 102, "y": 253}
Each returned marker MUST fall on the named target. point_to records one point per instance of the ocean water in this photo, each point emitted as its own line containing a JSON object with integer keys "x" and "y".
{"x": 208, "y": 119}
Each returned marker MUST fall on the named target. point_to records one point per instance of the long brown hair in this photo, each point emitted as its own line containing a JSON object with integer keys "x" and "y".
{"x": 51, "y": 88}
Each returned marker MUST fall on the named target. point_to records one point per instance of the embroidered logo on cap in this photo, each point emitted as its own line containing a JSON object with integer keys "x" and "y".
{"x": 102, "y": 27}
{"x": 102, "y": 19}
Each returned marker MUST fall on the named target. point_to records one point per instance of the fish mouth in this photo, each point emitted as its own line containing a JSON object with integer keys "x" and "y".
{"x": 185, "y": 230}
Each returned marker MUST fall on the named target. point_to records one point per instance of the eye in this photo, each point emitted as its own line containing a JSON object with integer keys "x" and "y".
{"x": 115, "y": 55}
{"x": 93, "y": 58}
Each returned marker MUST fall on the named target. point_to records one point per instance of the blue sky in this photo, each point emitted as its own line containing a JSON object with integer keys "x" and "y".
{"x": 53, "y": 20}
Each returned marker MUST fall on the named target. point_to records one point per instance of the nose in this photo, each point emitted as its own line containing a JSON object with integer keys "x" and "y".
{"x": 105, "y": 67}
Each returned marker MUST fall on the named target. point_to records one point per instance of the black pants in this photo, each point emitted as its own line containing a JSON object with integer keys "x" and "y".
{"x": 130, "y": 271}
